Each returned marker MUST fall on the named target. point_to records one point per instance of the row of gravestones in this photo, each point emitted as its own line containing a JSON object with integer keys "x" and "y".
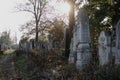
{"x": 80, "y": 48}
{"x": 41, "y": 45}
{"x": 52, "y": 44}
{"x": 28, "y": 46}
{"x": 107, "y": 52}
{"x": 4, "y": 47}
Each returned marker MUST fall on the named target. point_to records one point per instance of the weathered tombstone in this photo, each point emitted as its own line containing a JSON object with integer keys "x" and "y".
{"x": 113, "y": 47}
{"x": 40, "y": 45}
{"x": 30, "y": 43}
{"x": 27, "y": 47}
{"x": 37, "y": 45}
{"x": 73, "y": 48}
{"x": 33, "y": 44}
{"x": 105, "y": 48}
{"x": 20, "y": 46}
{"x": 49, "y": 42}
{"x": 46, "y": 45}
{"x": 66, "y": 42}
{"x": 43, "y": 46}
{"x": 71, "y": 59}
{"x": 24, "y": 46}
{"x": 83, "y": 40}
{"x": 0, "y": 47}
{"x": 56, "y": 44}
{"x": 117, "y": 55}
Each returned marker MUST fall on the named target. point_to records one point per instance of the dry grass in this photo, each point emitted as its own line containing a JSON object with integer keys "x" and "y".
{"x": 9, "y": 51}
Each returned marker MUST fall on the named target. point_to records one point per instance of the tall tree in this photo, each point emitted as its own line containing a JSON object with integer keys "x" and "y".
{"x": 28, "y": 28}
{"x": 100, "y": 9}
{"x": 103, "y": 14}
{"x": 37, "y": 8}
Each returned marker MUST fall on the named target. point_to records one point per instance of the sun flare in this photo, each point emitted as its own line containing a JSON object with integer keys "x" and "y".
{"x": 63, "y": 7}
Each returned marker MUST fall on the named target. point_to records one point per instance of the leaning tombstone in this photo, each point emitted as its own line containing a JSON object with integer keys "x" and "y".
{"x": 117, "y": 55}
{"x": 83, "y": 42}
{"x": 105, "y": 48}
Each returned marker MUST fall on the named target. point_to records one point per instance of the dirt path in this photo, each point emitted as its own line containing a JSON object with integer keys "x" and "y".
{"x": 7, "y": 68}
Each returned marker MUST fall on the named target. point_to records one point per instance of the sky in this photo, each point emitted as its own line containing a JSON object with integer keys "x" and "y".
{"x": 10, "y": 19}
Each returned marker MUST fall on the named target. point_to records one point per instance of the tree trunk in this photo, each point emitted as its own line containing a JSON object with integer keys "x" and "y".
{"x": 71, "y": 17}
{"x": 36, "y": 37}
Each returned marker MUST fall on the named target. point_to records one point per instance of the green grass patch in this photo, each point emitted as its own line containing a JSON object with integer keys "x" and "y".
{"x": 2, "y": 55}
{"x": 21, "y": 64}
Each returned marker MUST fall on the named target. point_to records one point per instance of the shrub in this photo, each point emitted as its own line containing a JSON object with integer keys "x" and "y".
{"x": 108, "y": 73}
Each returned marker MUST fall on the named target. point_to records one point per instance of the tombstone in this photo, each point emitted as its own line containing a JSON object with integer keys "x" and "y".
{"x": 24, "y": 46}
{"x": 50, "y": 42}
{"x": 0, "y": 47}
{"x": 31, "y": 46}
{"x": 73, "y": 48}
{"x": 56, "y": 44}
{"x": 46, "y": 45}
{"x": 117, "y": 55}
{"x": 113, "y": 46}
{"x": 20, "y": 46}
{"x": 105, "y": 48}
{"x": 27, "y": 47}
{"x": 37, "y": 45}
{"x": 75, "y": 44}
{"x": 66, "y": 42}
{"x": 43, "y": 46}
{"x": 83, "y": 40}
{"x": 71, "y": 59}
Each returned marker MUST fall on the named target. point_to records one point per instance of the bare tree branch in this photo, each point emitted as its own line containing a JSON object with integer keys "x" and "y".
{"x": 37, "y": 8}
